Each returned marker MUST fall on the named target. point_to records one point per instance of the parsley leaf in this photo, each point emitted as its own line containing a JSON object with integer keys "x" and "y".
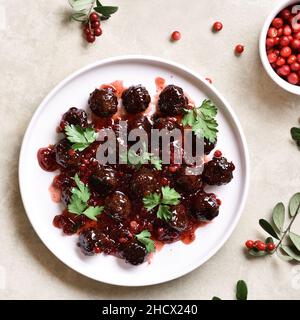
{"x": 169, "y": 197}
{"x": 81, "y": 138}
{"x": 78, "y": 204}
{"x": 144, "y": 238}
{"x": 202, "y": 120}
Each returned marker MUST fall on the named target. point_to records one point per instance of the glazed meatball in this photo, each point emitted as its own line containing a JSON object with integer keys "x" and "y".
{"x": 164, "y": 232}
{"x": 136, "y": 99}
{"x": 65, "y": 156}
{"x": 205, "y": 206}
{"x": 144, "y": 182}
{"x": 134, "y": 253}
{"x": 140, "y": 122}
{"x": 87, "y": 241}
{"x": 77, "y": 117}
{"x": 104, "y": 180}
{"x": 218, "y": 171}
{"x": 186, "y": 182}
{"x": 172, "y": 101}
{"x": 103, "y": 102}
{"x": 167, "y": 123}
{"x": 208, "y": 145}
{"x": 118, "y": 206}
{"x": 179, "y": 220}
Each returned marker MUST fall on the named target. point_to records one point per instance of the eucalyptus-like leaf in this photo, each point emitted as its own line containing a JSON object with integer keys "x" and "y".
{"x": 79, "y": 16}
{"x": 295, "y": 132}
{"x": 269, "y": 240}
{"x": 256, "y": 253}
{"x": 283, "y": 256}
{"x": 268, "y": 228}
{"x": 106, "y": 10}
{"x": 291, "y": 252}
{"x": 216, "y": 298}
{"x": 241, "y": 290}
{"x": 79, "y": 5}
{"x": 294, "y": 204}
{"x": 279, "y": 216}
{"x": 295, "y": 239}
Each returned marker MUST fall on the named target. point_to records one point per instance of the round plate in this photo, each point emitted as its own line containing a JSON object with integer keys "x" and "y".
{"x": 173, "y": 260}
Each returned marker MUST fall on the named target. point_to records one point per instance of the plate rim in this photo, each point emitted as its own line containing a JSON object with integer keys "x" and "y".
{"x": 142, "y": 58}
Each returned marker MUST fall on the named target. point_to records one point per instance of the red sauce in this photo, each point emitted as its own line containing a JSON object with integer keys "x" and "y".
{"x": 160, "y": 84}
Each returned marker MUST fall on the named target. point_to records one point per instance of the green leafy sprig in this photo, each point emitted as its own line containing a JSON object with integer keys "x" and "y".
{"x": 167, "y": 198}
{"x": 287, "y": 242}
{"x": 202, "y": 120}
{"x": 241, "y": 291}
{"x": 79, "y": 201}
{"x": 145, "y": 238}
{"x": 81, "y": 138}
{"x": 83, "y": 8}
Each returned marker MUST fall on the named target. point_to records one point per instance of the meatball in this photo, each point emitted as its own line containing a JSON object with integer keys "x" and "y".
{"x": 167, "y": 123}
{"x": 136, "y": 99}
{"x": 144, "y": 182}
{"x": 218, "y": 171}
{"x": 65, "y": 156}
{"x": 207, "y": 145}
{"x": 77, "y": 117}
{"x": 205, "y": 206}
{"x": 87, "y": 241}
{"x": 140, "y": 122}
{"x": 118, "y": 206}
{"x": 186, "y": 182}
{"x": 134, "y": 253}
{"x": 164, "y": 232}
{"x": 172, "y": 101}
{"x": 103, "y": 102}
{"x": 179, "y": 219}
{"x": 104, "y": 180}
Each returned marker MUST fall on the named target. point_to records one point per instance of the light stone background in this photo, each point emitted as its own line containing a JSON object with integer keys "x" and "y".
{"x": 39, "y": 48}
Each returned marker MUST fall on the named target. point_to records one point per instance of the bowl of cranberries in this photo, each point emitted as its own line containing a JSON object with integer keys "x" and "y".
{"x": 280, "y": 45}
{"x": 107, "y": 200}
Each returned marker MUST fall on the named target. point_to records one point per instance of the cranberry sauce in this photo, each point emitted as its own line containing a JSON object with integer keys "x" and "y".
{"x": 120, "y": 189}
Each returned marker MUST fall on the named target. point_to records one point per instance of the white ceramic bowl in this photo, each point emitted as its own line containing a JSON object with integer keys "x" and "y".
{"x": 262, "y": 48}
{"x": 173, "y": 260}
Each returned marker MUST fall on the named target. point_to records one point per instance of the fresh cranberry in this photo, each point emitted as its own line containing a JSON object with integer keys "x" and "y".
{"x": 239, "y": 49}
{"x": 249, "y": 244}
{"x": 280, "y": 32}
{"x": 90, "y": 38}
{"x": 98, "y": 32}
{"x": 272, "y": 57}
{"x": 284, "y": 70}
{"x": 94, "y": 17}
{"x": 286, "y": 52}
{"x": 218, "y": 26}
{"x": 271, "y": 247}
{"x": 295, "y": 44}
{"x": 176, "y": 35}
{"x": 284, "y": 41}
{"x": 96, "y": 24}
{"x": 296, "y": 35}
{"x": 277, "y": 23}
{"x": 87, "y": 29}
{"x": 280, "y": 61}
{"x": 285, "y": 14}
{"x": 260, "y": 246}
{"x": 270, "y": 43}
{"x": 295, "y": 66}
{"x": 272, "y": 33}
{"x": 218, "y": 154}
{"x": 291, "y": 59}
{"x": 287, "y": 31}
{"x": 293, "y": 78}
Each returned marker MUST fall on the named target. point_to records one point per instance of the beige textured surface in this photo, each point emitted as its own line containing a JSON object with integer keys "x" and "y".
{"x": 39, "y": 48}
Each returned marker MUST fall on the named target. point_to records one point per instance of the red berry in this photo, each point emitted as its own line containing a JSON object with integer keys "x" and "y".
{"x": 95, "y": 24}
{"x": 284, "y": 41}
{"x": 295, "y": 66}
{"x": 218, "y": 26}
{"x": 293, "y": 78}
{"x": 165, "y": 181}
{"x": 218, "y": 154}
{"x": 249, "y": 244}
{"x": 98, "y": 32}
{"x": 90, "y": 38}
{"x": 219, "y": 202}
{"x": 287, "y": 31}
{"x": 280, "y": 61}
{"x": 239, "y": 49}
{"x": 271, "y": 247}
{"x": 97, "y": 250}
{"x": 285, "y": 14}
{"x": 71, "y": 152}
{"x": 295, "y": 44}
{"x": 277, "y": 23}
{"x": 280, "y": 32}
{"x": 94, "y": 17}
{"x": 173, "y": 169}
{"x": 298, "y": 57}
{"x": 286, "y": 52}
{"x": 284, "y": 70}
{"x": 291, "y": 59}
{"x": 176, "y": 35}
{"x": 272, "y": 57}
{"x": 270, "y": 43}
{"x": 260, "y": 246}
{"x": 272, "y": 33}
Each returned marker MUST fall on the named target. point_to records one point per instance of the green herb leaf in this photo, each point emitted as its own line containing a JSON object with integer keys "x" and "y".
{"x": 295, "y": 240}
{"x": 216, "y": 298}
{"x": 294, "y": 204}
{"x": 279, "y": 216}
{"x": 144, "y": 238}
{"x": 295, "y": 132}
{"x": 76, "y": 205}
{"x": 268, "y": 228}
{"x": 79, "y": 5}
{"x": 92, "y": 212}
{"x": 241, "y": 290}
{"x": 164, "y": 212}
{"x": 82, "y": 192}
{"x": 202, "y": 120}
{"x": 98, "y": 3}
{"x": 170, "y": 196}
{"x": 81, "y": 138}
{"x": 151, "y": 201}
{"x": 106, "y": 10}
{"x": 156, "y": 162}
{"x": 291, "y": 252}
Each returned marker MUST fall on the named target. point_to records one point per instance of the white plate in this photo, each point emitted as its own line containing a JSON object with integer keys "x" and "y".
{"x": 173, "y": 260}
